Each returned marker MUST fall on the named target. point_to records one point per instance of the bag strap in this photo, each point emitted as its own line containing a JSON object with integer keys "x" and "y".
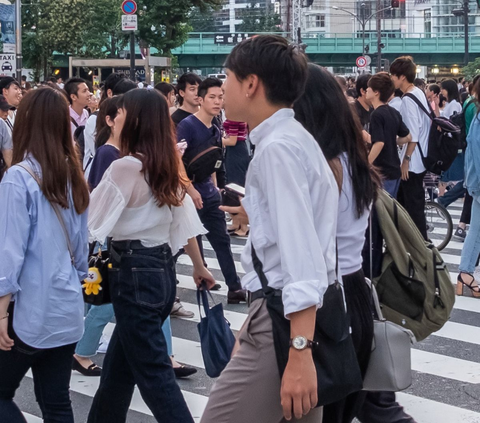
{"x": 430, "y": 114}
{"x": 74, "y": 122}
{"x": 202, "y": 299}
{"x": 55, "y": 209}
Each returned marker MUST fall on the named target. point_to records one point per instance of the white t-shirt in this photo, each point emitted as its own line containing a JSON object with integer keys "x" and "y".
{"x": 350, "y": 228}
{"x": 419, "y": 125}
{"x": 396, "y": 103}
{"x": 451, "y": 108}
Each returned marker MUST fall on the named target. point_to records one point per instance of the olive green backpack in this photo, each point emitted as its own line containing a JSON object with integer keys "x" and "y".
{"x": 414, "y": 289}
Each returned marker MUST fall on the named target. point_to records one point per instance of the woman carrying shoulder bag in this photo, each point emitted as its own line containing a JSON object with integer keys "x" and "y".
{"x": 141, "y": 204}
{"x": 324, "y": 111}
{"x": 43, "y": 257}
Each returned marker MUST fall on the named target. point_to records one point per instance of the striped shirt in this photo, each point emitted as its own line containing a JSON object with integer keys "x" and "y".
{"x": 235, "y": 129}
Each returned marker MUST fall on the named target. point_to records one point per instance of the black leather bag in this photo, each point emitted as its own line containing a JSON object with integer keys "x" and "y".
{"x": 338, "y": 372}
{"x": 205, "y": 162}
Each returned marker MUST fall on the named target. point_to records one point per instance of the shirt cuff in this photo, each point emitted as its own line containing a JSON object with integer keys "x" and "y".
{"x": 298, "y": 296}
{"x": 8, "y": 287}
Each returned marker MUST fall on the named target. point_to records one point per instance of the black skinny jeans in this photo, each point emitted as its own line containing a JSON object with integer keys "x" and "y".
{"x": 143, "y": 288}
{"x": 51, "y": 368}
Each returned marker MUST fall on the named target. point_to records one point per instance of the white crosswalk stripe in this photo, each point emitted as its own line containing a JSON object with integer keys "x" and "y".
{"x": 434, "y": 359}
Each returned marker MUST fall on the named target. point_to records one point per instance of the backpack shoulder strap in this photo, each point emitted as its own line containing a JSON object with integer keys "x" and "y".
{"x": 430, "y": 113}
{"x": 74, "y": 121}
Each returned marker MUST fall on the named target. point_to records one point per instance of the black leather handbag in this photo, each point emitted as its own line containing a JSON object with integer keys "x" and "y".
{"x": 338, "y": 372}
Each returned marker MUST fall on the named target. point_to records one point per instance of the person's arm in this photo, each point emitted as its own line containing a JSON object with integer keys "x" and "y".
{"x": 230, "y": 141}
{"x": 406, "y": 162}
{"x": 375, "y": 151}
{"x": 7, "y": 156}
{"x": 200, "y": 272}
{"x": 403, "y": 135}
{"x": 15, "y": 226}
{"x": 436, "y": 102}
{"x": 404, "y": 140}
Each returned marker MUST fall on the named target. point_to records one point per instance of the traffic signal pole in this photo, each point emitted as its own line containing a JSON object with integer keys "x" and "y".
{"x": 379, "y": 36}
{"x": 465, "y": 16}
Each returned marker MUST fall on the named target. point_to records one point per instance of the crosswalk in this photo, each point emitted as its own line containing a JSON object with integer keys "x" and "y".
{"x": 446, "y": 366}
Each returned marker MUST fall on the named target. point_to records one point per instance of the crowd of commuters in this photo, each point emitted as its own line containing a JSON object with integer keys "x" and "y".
{"x": 311, "y": 150}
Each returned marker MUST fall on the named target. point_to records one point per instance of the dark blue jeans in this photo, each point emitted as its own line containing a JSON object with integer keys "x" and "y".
{"x": 214, "y": 221}
{"x": 453, "y": 194}
{"x": 51, "y": 370}
{"x": 143, "y": 287}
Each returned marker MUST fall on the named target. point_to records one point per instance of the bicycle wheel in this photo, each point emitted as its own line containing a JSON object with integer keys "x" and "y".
{"x": 439, "y": 224}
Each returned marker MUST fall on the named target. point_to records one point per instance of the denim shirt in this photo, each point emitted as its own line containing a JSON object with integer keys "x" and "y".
{"x": 35, "y": 265}
{"x": 472, "y": 158}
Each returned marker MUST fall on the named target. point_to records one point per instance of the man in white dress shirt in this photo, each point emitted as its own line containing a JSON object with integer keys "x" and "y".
{"x": 291, "y": 201}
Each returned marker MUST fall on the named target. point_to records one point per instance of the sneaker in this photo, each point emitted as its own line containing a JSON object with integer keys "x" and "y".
{"x": 102, "y": 348}
{"x": 460, "y": 234}
{"x": 179, "y": 311}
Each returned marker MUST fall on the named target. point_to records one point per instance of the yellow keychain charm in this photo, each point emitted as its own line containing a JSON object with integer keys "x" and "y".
{"x": 93, "y": 281}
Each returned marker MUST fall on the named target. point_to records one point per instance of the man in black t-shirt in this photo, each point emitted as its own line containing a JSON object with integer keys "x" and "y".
{"x": 362, "y": 106}
{"x": 187, "y": 89}
{"x": 387, "y": 130}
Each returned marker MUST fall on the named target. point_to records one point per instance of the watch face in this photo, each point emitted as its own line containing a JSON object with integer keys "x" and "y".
{"x": 299, "y": 342}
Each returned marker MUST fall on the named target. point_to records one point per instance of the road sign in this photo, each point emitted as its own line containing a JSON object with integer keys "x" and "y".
{"x": 361, "y": 62}
{"x": 8, "y": 66}
{"x": 129, "y": 23}
{"x": 225, "y": 38}
{"x": 129, "y": 7}
{"x": 368, "y": 59}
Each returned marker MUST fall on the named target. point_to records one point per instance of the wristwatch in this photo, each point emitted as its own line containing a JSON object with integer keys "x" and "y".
{"x": 408, "y": 158}
{"x": 301, "y": 343}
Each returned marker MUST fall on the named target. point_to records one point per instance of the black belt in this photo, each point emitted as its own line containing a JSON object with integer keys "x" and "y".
{"x": 253, "y": 296}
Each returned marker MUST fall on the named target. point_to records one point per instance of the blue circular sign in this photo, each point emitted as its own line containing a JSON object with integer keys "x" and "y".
{"x": 129, "y": 7}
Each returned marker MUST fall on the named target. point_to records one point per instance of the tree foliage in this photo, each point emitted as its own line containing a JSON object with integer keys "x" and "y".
{"x": 472, "y": 69}
{"x": 256, "y": 20}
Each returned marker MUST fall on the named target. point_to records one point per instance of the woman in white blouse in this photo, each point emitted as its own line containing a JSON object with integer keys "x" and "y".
{"x": 141, "y": 203}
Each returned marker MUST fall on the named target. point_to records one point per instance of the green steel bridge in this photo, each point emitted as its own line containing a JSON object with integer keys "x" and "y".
{"x": 201, "y": 51}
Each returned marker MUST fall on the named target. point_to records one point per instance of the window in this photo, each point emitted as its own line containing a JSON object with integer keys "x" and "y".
{"x": 320, "y": 21}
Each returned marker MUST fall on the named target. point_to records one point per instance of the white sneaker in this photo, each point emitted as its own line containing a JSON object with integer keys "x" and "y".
{"x": 102, "y": 348}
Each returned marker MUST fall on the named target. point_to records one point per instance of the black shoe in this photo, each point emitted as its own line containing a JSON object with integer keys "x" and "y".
{"x": 184, "y": 371}
{"x": 236, "y": 297}
{"x": 93, "y": 369}
{"x": 216, "y": 287}
{"x": 460, "y": 234}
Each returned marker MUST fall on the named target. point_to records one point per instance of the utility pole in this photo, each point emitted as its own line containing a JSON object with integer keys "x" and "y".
{"x": 132, "y": 56}
{"x": 18, "y": 41}
{"x": 379, "y": 35}
{"x": 463, "y": 12}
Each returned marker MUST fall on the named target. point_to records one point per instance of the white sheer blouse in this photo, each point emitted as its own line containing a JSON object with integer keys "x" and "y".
{"x": 122, "y": 207}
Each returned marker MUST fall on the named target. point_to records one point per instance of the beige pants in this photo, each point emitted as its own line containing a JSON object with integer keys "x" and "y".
{"x": 248, "y": 390}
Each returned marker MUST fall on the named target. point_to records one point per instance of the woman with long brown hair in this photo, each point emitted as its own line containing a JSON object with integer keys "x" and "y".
{"x": 43, "y": 257}
{"x": 141, "y": 204}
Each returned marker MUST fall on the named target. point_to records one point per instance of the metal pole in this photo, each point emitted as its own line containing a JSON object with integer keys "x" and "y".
{"x": 132, "y": 56}
{"x": 18, "y": 33}
{"x": 379, "y": 36}
{"x": 363, "y": 37}
{"x": 465, "y": 17}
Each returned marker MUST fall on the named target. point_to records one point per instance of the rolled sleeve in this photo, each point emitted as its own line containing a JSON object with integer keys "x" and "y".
{"x": 302, "y": 254}
{"x": 14, "y": 231}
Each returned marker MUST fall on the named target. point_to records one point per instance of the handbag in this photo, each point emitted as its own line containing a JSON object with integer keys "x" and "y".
{"x": 338, "y": 372}
{"x": 96, "y": 289}
{"x": 389, "y": 367}
{"x": 216, "y": 337}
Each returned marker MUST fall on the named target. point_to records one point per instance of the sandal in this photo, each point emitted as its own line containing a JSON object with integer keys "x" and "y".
{"x": 472, "y": 286}
{"x": 240, "y": 235}
{"x": 92, "y": 370}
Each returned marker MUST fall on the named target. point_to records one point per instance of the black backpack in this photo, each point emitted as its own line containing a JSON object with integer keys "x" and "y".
{"x": 79, "y": 138}
{"x": 444, "y": 141}
{"x": 205, "y": 162}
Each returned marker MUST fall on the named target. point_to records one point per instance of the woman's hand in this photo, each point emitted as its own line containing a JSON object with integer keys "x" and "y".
{"x": 202, "y": 274}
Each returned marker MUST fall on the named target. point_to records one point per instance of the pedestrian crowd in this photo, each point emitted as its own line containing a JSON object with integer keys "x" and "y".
{"x": 281, "y": 152}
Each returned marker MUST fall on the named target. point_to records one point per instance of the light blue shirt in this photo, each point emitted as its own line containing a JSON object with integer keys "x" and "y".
{"x": 35, "y": 265}
{"x": 472, "y": 158}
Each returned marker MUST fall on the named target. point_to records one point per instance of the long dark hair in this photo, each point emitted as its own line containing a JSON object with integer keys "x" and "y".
{"x": 451, "y": 87}
{"x": 324, "y": 111}
{"x": 148, "y": 135}
{"x": 42, "y": 129}
{"x": 108, "y": 108}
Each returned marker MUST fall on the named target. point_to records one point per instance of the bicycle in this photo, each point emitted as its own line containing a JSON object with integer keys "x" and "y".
{"x": 439, "y": 221}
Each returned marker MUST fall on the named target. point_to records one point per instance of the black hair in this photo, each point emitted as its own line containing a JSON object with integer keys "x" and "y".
{"x": 404, "y": 66}
{"x": 398, "y": 93}
{"x": 186, "y": 78}
{"x": 24, "y": 78}
{"x": 324, "y": 111}
{"x": 281, "y": 67}
{"x": 419, "y": 83}
{"x": 108, "y": 108}
{"x": 434, "y": 88}
{"x": 451, "y": 87}
{"x": 53, "y": 79}
{"x": 124, "y": 86}
{"x": 442, "y": 100}
{"x": 109, "y": 84}
{"x": 362, "y": 83}
{"x": 71, "y": 87}
{"x": 206, "y": 84}
{"x": 352, "y": 92}
{"x": 165, "y": 88}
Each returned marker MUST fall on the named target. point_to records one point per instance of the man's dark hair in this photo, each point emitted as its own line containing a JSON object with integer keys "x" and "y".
{"x": 24, "y": 78}
{"x": 451, "y": 87}
{"x": 71, "y": 87}
{"x": 186, "y": 78}
{"x": 398, "y": 93}
{"x": 281, "y": 67}
{"x": 404, "y": 66}
{"x": 434, "y": 88}
{"x": 383, "y": 84}
{"x": 362, "y": 83}
{"x": 53, "y": 79}
{"x": 112, "y": 80}
{"x": 420, "y": 83}
{"x": 124, "y": 86}
{"x": 165, "y": 88}
{"x": 206, "y": 84}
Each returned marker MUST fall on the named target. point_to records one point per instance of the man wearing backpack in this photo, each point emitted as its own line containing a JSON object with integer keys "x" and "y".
{"x": 78, "y": 95}
{"x": 411, "y": 193}
{"x": 201, "y": 134}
